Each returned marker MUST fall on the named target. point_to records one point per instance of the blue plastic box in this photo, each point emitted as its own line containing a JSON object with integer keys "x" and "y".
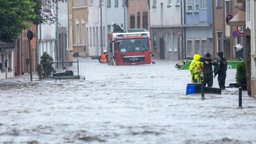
{"x": 191, "y": 89}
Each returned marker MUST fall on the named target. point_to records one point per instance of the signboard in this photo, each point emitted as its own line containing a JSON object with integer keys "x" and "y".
{"x": 228, "y": 18}
{"x": 240, "y": 29}
{"x": 235, "y": 34}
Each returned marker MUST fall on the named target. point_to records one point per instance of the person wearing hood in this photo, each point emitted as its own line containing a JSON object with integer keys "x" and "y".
{"x": 196, "y": 69}
{"x": 208, "y": 71}
{"x": 221, "y": 70}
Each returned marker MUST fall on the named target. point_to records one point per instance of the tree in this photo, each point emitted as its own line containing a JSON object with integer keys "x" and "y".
{"x": 46, "y": 61}
{"x": 15, "y": 16}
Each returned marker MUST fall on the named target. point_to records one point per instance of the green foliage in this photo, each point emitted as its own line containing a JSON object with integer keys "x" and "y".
{"x": 46, "y": 61}
{"x": 241, "y": 74}
{"x": 15, "y": 16}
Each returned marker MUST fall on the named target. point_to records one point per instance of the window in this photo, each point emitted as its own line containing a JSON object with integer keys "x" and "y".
{"x": 202, "y": 4}
{"x": 219, "y": 3}
{"x": 154, "y": 40}
{"x": 77, "y": 32}
{"x": 116, "y": 3}
{"x": 196, "y": 6}
{"x": 91, "y": 2}
{"x": 79, "y": 3}
{"x": 109, "y": 29}
{"x": 177, "y": 3}
{"x": 189, "y": 6}
{"x": 138, "y": 19}
{"x": 94, "y": 36}
{"x": 108, "y": 3}
{"x": 227, "y": 9}
{"x": 189, "y": 48}
{"x": 219, "y": 41}
{"x": 204, "y": 46}
{"x": 169, "y": 3}
{"x": 90, "y": 36}
{"x": 154, "y": 4}
{"x": 145, "y": 20}
{"x": 83, "y": 32}
{"x": 132, "y": 21}
{"x": 197, "y": 46}
{"x": 248, "y": 11}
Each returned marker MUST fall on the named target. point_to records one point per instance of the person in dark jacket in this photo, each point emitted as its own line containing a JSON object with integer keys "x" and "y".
{"x": 208, "y": 71}
{"x": 221, "y": 70}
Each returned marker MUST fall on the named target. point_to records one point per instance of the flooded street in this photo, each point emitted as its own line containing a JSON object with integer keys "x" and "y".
{"x": 138, "y": 104}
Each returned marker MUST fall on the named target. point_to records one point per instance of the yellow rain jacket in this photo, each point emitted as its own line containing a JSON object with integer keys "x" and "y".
{"x": 196, "y": 69}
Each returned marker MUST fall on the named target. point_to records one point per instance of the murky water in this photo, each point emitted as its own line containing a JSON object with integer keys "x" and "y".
{"x": 123, "y": 105}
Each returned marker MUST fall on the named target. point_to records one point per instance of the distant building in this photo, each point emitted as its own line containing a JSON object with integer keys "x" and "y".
{"x": 53, "y": 36}
{"x": 7, "y": 68}
{"x": 106, "y": 14}
{"x": 197, "y": 27}
{"x": 22, "y": 57}
{"x": 77, "y": 20}
{"x": 223, "y": 40}
{"x": 165, "y": 28}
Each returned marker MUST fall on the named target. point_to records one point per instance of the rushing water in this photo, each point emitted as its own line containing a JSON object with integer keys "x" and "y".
{"x": 141, "y": 104}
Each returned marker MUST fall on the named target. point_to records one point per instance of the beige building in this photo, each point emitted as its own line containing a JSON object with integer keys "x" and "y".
{"x": 138, "y": 14}
{"x": 77, "y": 20}
{"x": 223, "y": 40}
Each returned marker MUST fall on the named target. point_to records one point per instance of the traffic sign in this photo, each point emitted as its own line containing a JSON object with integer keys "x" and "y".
{"x": 235, "y": 34}
{"x": 228, "y": 18}
{"x": 240, "y": 29}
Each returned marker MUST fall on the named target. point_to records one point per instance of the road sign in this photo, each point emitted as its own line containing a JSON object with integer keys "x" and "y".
{"x": 240, "y": 29}
{"x": 235, "y": 34}
{"x": 228, "y": 18}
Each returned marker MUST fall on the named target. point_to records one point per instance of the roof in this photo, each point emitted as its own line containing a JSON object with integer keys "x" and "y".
{"x": 238, "y": 19}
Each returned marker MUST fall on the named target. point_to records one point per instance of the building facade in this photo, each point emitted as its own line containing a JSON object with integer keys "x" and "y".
{"x": 223, "y": 37}
{"x": 198, "y": 27}
{"x": 7, "y": 58}
{"x": 77, "y": 20}
{"x": 100, "y": 20}
{"x": 165, "y": 28}
{"x": 96, "y": 19}
{"x": 22, "y": 57}
{"x": 250, "y": 25}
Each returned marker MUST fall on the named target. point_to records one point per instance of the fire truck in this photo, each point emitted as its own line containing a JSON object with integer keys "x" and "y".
{"x": 129, "y": 48}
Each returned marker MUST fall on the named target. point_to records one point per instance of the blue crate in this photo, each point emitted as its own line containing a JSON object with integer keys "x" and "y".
{"x": 191, "y": 89}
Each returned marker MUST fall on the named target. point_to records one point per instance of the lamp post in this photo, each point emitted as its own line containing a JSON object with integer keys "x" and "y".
{"x": 30, "y": 36}
{"x": 101, "y": 31}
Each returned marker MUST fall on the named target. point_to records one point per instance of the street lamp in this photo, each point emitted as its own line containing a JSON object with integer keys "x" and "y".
{"x": 101, "y": 31}
{"x": 30, "y": 37}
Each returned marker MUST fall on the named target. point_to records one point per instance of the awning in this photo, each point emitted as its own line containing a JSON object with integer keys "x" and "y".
{"x": 238, "y": 19}
{"x": 5, "y": 45}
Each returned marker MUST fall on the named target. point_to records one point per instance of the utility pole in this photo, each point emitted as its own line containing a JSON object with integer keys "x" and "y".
{"x": 56, "y": 34}
{"x": 30, "y": 37}
{"x": 125, "y": 6}
{"x": 101, "y": 31}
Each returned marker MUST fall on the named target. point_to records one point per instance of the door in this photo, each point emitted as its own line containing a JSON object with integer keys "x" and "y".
{"x": 162, "y": 48}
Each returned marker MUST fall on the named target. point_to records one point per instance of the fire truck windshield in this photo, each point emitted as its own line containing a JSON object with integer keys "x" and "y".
{"x": 133, "y": 45}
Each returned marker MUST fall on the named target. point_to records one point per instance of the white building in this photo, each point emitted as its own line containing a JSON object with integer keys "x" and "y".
{"x": 112, "y": 11}
{"x": 47, "y": 33}
{"x": 165, "y": 27}
{"x": 6, "y": 60}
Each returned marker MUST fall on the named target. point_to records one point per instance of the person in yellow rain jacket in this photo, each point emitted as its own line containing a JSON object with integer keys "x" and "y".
{"x": 196, "y": 69}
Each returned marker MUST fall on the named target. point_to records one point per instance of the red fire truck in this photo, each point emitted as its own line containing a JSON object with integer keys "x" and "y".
{"x": 129, "y": 48}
